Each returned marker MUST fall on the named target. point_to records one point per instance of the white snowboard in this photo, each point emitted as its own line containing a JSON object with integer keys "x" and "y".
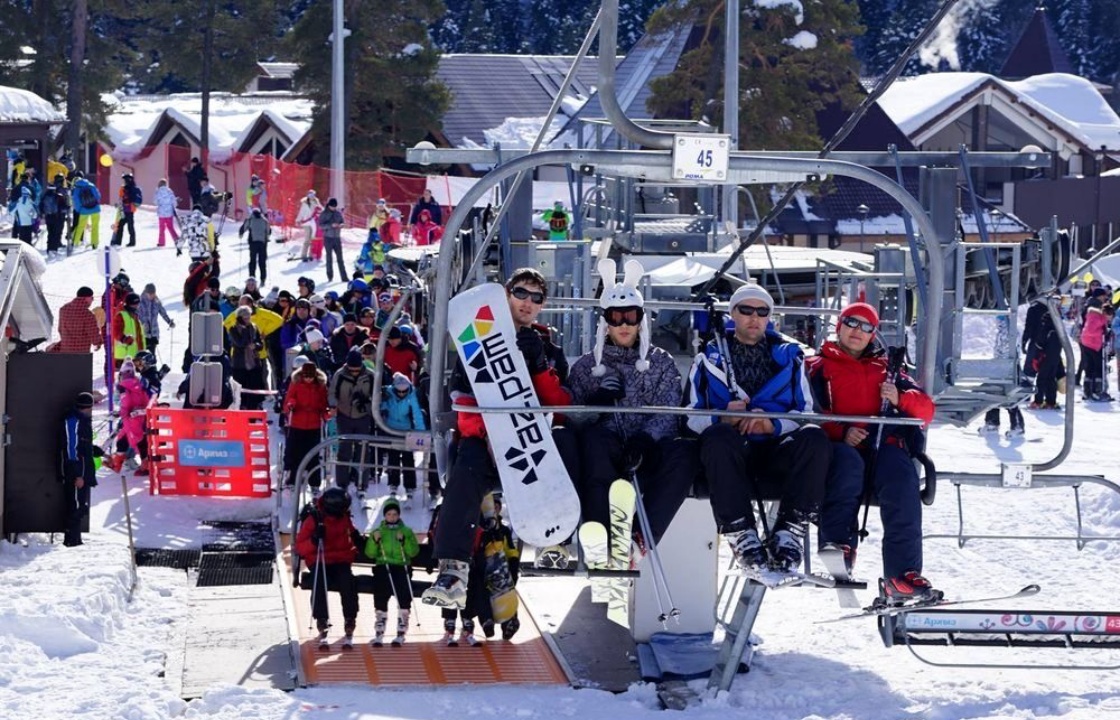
{"x": 542, "y": 502}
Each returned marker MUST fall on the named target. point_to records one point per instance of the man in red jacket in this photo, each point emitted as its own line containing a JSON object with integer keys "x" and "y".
{"x": 849, "y": 377}
{"x": 474, "y": 475}
{"x": 77, "y": 325}
{"x": 327, "y": 525}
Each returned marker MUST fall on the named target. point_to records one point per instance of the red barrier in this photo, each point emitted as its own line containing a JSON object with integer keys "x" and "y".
{"x": 208, "y": 452}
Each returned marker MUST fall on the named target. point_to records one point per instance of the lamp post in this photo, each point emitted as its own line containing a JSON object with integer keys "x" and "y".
{"x": 862, "y": 210}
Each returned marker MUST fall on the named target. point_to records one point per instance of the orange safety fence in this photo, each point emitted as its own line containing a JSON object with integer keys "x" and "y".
{"x": 208, "y": 452}
{"x": 286, "y": 184}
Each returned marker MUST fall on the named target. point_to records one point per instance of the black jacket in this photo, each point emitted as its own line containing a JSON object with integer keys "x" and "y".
{"x": 77, "y": 448}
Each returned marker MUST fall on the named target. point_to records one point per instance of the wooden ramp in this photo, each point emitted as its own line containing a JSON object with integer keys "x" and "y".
{"x": 424, "y": 659}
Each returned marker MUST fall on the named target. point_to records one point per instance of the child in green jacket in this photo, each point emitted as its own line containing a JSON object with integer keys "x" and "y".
{"x": 391, "y": 545}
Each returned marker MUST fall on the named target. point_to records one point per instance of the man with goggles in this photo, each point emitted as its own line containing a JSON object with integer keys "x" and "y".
{"x": 754, "y": 369}
{"x": 850, "y": 377}
{"x": 625, "y": 370}
{"x": 473, "y": 473}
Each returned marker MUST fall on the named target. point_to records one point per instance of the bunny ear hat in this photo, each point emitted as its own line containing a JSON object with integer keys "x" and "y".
{"x": 619, "y": 295}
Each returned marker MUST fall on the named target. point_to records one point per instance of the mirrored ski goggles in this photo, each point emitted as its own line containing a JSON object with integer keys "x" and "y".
{"x": 857, "y": 324}
{"x": 749, "y": 310}
{"x": 618, "y": 316}
{"x": 526, "y": 294}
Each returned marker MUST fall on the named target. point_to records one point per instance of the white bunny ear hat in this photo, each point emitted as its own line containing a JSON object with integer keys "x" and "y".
{"x": 618, "y": 295}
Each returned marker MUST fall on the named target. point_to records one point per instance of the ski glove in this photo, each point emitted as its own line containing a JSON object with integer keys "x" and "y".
{"x": 318, "y": 533}
{"x": 611, "y": 389}
{"x": 531, "y": 345}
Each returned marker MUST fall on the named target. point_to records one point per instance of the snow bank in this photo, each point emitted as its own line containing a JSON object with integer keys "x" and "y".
{"x": 22, "y": 106}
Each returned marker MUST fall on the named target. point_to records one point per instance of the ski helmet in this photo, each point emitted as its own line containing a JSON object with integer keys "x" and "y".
{"x": 335, "y": 501}
{"x": 146, "y": 357}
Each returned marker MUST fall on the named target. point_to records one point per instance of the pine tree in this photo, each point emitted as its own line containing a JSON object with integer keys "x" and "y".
{"x": 1072, "y": 26}
{"x": 448, "y": 31}
{"x": 557, "y": 27}
{"x": 392, "y": 98}
{"x": 479, "y": 33}
{"x": 632, "y": 18}
{"x": 783, "y": 83}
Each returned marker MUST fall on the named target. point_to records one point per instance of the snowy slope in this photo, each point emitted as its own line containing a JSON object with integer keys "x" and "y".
{"x": 72, "y": 648}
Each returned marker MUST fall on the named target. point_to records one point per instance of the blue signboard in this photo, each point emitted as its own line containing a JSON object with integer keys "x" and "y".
{"x": 211, "y": 453}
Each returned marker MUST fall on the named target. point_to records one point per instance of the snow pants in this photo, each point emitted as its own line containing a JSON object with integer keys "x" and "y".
{"x": 77, "y": 510}
{"x": 402, "y": 462}
{"x": 55, "y": 225}
{"x": 666, "y": 475}
{"x": 391, "y": 581}
{"x": 792, "y": 467}
{"x": 127, "y": 221}
{"x": 339, "y": 579}
{"x": 94, "y": 221}
{"x": 333, "y": 246}
{"x": 258, "y": 261}
{"x": 352, "y": 451}
{"x": 472, "y": 476}
{"x": 167, "y": 225}
{"x": 900, "y": 504}
{"x": 1050, "y": 367}
{"x": 300, "y": 442}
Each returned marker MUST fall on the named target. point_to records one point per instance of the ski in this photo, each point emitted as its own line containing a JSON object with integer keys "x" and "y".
{"x": 890, "y": 610}
{"x": 596, "y": 555}
{"x": 777, "y": 580}
{"x": 832, "y": 557}
{"x": 622, "y": 500}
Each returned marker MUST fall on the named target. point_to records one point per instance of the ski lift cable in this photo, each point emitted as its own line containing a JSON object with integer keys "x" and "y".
{"x": 885, "y": 82}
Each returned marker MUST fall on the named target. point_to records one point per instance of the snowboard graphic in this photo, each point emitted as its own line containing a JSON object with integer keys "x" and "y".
{"x": 622, "y": 498}
{"x": 542, "y": 503}
{"x": 596, "y": 555}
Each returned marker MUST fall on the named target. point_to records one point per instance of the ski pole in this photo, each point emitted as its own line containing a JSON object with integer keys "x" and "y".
{"x": 320, "y": 569}
{"x": 654, "y": 554}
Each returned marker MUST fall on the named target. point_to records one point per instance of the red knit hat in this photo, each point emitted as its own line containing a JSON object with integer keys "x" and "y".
{"x": 862, "y": 309}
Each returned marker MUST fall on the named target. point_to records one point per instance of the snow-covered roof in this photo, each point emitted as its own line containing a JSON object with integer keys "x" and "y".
{"x": 278, "y": 69}
{"x": 23, "y": 106}
{"x": 1070, "y": 103}
{"x": 133, "y": 123}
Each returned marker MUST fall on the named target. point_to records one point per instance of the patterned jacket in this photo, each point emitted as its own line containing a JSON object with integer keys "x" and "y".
{"x": 660, "y": 385}
{"x": 78, "y": 327}
{"x": 150, "y": 310}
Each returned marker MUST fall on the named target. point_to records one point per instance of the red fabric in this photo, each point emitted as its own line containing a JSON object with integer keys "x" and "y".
{"x": 469, "y": 424}
{"x": 77, "y": 327}
{"x": 852, "y": 388}
{"x": 306, "y": 403}
{"x": 549, "y": 390}
{"x": 1092, "y": 335}
{"x": 397, "y": 360}
{"x": 426, "y": 232}
{"x": 338, "y": 542}
{"x": 390, "y": 231}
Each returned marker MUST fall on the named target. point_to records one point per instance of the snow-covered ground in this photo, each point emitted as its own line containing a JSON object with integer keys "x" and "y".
{"x": 73, "y": 648}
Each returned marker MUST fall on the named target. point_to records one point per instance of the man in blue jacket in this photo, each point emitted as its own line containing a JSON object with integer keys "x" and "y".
{"x": 754, "y": 369}
{"x": 79, "y": 474}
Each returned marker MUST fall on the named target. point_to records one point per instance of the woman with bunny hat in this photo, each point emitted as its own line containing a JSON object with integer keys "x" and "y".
{"x": 625, "y": 370}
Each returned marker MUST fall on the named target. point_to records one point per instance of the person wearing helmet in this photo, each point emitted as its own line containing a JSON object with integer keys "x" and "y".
{"x": 306, "y": 287}
{"x": 356, "y": 298}
{"x": 557, "y": 219}
{"x": 128, "y": 330}
{"x": 130, "y": 198}
{"x": 328, "y": 542}
{"x": 151, "y": 377}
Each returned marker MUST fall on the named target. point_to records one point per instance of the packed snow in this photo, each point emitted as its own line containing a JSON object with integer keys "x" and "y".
{"x": 73, "y": 647}
{"x": 23, "y": 106}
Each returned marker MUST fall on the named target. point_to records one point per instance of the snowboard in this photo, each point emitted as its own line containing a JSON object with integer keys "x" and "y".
{"x": 499, "y": 579}
{"x": 542, "y": 502}
{"x": 832, "y": 556}
{"x": 622, "y": 499}
{"x": 596, "y": 555}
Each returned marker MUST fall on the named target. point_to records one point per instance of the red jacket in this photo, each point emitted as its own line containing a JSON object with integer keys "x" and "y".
{"x": 397, "y": 359}
{"x": 338, "y": 539}
{"x": 850, "y": 386}
{"x": 77, "y": 327}
{"x": 306, "y": 403}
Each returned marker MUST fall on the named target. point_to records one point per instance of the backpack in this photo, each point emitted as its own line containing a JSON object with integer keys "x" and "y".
{"x": 135, "y": 195}
{"x": 86, "y": 197}
{"x": 50, "y": 204}
{"x": 208, "y": 203}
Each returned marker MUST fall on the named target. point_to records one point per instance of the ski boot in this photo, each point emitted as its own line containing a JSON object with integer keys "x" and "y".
{"x": 322, "y": 626}
{"x": 142, "y": 471}
{"x": 488, "y": 628}
{"x": 348, "y": 634}
{"x": 750, "y": 555}
{"x": 408, "y": 499}
{"x": 467, "y": 636}
{"x": 988, "y": 429}
{"x": 115, "y": 462}
{"x": 449, "y": 638}
{"x": 402, "y": 626}
{"x": 785, "y": 545}
{"x": 908, "y": 589}
{"x": 1014, "y": 432}
{"x": 553, "y": 557}
{"x": 510, "y": 628}
{"x": 450, "y": 588}
{"x": 393, "y": 490}
{"x": 379, "y": 628}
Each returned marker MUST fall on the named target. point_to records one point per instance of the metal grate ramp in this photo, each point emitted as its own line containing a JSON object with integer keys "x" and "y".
{"x": 423, "y": 660}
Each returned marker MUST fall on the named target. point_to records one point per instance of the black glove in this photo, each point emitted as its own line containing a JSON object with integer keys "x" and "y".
{"x": 98, "y": 451}
{"x": 73, "y": 469}
{"x": 611, "y": 388}
{"x": 318, "y": 533}
{"x": 645, "y": 447}
{"x": 531, "y": 345}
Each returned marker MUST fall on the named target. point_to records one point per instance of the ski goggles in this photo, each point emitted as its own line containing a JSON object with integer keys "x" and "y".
{"x": 750, "y": 310}
{"x": 857, "y": 324}
{"x": 616, "y": 317}
{"x": 526, "y": 294}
